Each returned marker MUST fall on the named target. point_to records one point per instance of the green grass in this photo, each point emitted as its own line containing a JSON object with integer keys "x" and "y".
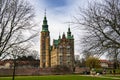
{"x": 56, "y": 77}
{"x": 116, "y": 76}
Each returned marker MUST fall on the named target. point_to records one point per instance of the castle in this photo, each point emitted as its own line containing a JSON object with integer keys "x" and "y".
{"x": 61, "y": 52}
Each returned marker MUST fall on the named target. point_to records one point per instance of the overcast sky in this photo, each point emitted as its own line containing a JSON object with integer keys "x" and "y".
{"x": 58, "y": 13}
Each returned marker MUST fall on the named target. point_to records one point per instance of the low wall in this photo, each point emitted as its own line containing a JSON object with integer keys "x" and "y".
{"x": 29, "y": 71}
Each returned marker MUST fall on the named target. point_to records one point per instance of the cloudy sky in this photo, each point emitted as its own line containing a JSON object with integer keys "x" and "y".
{"x": 59, "y": 13}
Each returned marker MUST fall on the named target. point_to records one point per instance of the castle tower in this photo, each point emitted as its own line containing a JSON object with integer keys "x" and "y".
{"x": 70, "y": 40}
{"x": 45, "y": 45}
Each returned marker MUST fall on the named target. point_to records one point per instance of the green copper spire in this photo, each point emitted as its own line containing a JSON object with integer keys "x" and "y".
{"x": 69, "y": 32}
{"x": 45, "y": 26}
{"x": 69, "y": 36}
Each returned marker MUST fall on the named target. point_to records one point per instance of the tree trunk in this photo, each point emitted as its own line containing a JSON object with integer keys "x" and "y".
{"x": 14, "y": 68}
{"x": 115, "y": 66}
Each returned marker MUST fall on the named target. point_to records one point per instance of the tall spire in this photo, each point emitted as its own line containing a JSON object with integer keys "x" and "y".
{"x": 69, "y": 36}
{"x": 45, "y": 14}
{"x": 59, "y": 36}
{"x": 63, "y": 36}
{"x": 45, "y": 19}
{"x": 69, "y": 32}
{"x": 45, "y": 25}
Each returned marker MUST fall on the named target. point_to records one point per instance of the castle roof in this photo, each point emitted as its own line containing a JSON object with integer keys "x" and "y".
{"x": 69, "y": 36}
{"x": 56, "y": 42}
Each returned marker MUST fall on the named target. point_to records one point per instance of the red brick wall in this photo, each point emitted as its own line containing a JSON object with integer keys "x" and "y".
{"x": 28, "y": 71}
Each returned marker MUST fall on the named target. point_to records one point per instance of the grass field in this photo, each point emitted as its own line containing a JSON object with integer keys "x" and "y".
{"x": 116, "y": 76}
{"x": 58, "y": 77}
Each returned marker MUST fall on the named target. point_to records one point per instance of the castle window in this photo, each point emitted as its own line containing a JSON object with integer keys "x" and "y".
{"x": 43, "y": 46}
{"x": 68, "y": 58}
{"x": 60, "y": 49}
{"x": 60, "y": 54}
{"x": 68, "y": 46}
{"x": 68, "y": 49}
{"x": 61, "y": 58}
{"x": 68, "y": 54}
{"x": 43, "y": 54}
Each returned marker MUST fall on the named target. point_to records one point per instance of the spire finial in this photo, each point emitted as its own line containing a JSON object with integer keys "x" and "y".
{"x": 45, "y": 11}
{"x": 63, "y": 36}
{"x": 59, "y": 36}
{"x": 69, "y": 27}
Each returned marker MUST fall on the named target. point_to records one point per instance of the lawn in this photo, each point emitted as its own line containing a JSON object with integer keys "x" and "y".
{"x": 116, "y": 76}
{"x": 56, "y": 77}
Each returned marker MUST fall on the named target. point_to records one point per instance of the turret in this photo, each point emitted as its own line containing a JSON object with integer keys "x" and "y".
{"x": 69, "y": 36}
{"x": 63, "y": 36}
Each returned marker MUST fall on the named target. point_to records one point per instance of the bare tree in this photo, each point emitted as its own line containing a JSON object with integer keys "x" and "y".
{"x": 16, "y": 24}
{"x": 101, "y": 20}
{"x": 15, "y": 52}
